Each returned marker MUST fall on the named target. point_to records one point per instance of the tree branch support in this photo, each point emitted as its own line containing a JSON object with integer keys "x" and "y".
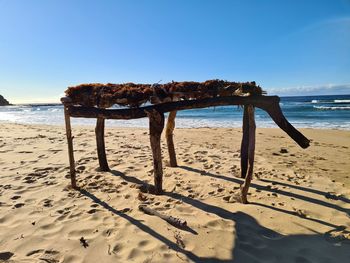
{"x": 100, "y": 142}
{"x": 169, "y": 138}
{"x": 156, "y": 126}
{"x": 249, "y": 150}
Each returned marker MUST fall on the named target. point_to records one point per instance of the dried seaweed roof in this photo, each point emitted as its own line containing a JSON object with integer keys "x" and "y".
{"x": 134, "y": 95}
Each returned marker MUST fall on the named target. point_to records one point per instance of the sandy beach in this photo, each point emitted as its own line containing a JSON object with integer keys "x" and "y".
{"x": 299, "y": 207}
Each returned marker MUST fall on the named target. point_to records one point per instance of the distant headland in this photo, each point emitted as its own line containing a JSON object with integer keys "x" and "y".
{"x": 3, "y": 101}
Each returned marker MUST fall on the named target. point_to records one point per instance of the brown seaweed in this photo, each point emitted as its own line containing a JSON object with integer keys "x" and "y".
{"x": 134, "y": 95}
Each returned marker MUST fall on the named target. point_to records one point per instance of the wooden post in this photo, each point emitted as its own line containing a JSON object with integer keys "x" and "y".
{"x": 100, "y": 141}
{"x": 70, "y": 147}
{"x": 251, "y": 152}
{"x": 245, "y": 143}
{"x": 169, "y": 138}
{"x": 156, "y": 126}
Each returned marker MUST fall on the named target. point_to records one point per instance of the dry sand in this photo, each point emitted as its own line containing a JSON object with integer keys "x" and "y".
{"x": 299, "y": 211}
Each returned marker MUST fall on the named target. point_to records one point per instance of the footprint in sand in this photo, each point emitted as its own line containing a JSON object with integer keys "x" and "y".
{"x": 97, "y": 177}
{"x": 167, "y": 205}
{"x": 5, "y": 255}
{"x": 92, "y": 211}
{"x": 208, "y": 166}
{"x": 92, "y": 185}
{"x": 63, "y": 213}
{"x": 31, "y": 178}
{"x": 116, "y": 249}
{"x": 19, "y": 205}
{"x": 49, "y": 183}
{"x": 45, "y": 255}
{"x": 47, "y": 203}
{"x": 81, "y": 168}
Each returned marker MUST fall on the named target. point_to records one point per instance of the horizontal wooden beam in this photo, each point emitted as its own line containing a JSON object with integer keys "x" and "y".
{"x": 140, "y": 112}
{"x": 268, "y": 103}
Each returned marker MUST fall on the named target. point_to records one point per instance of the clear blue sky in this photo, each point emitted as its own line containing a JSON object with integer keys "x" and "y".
{"x": 285, "y": 46}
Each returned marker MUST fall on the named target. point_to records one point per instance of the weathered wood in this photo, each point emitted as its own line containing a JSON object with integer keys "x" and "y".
{"x": 170, "y": 219}
{"x": 251, "y": 153}
{"x": 245, "y": 143}
{"x": 100, "y": 142}
{"x": 66, "y": 101}
{"x": 70, "y": 148}
{"x": 275, "y": 112}
{"x": 267, "y": 103}
{"x": 156, "y": 126}
{"x": 169, "y": 138}
{"x": 141, "y": 112}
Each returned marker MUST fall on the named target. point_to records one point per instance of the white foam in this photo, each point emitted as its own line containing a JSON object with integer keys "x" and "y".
{"x": 329, "y": 101}
{"x": 54, "y": 116}
{"x": 332, "y": 107}
{"x": 341, "y": 101}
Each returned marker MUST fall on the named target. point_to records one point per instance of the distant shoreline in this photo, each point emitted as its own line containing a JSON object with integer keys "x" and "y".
{"x": 111, "y": 127}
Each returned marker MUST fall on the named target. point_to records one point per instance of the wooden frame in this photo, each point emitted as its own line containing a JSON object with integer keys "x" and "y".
{"x": 155, "y": 113}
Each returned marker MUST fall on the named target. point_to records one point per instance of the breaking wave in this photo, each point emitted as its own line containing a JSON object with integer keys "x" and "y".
{"x": 332, "y": 107}
{"x": 330, "y": 101}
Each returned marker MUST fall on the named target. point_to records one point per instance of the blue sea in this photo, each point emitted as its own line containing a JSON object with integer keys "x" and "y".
{"x": 330, "y": 112}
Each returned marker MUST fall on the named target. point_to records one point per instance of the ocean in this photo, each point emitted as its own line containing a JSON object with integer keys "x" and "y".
{"x": 328, "y": 112}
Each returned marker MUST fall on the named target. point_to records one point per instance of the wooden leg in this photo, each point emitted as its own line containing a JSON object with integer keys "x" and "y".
{"x": 251, "y": 153}
{"x": 156, "y": 126}
{"x": 169, "y": 138}
{"x": 245, "y": 143}
{"x": 70, "y": 147}
{"x": 100, "y": 141}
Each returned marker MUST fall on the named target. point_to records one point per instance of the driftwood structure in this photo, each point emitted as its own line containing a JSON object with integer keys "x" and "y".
{"x": 95, "y": 100}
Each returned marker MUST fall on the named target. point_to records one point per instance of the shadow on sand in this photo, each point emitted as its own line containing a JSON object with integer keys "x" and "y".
{"x": 252, "y": 241}
{"x": 278, "y": 191}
